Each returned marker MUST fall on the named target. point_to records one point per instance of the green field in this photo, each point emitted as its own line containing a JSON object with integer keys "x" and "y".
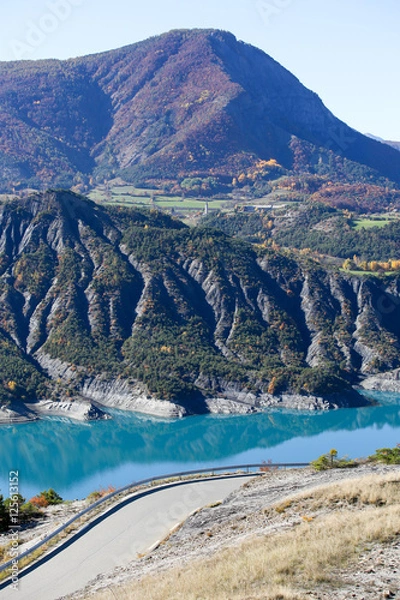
{"x": 121, "y": 193}
{"x": 369, "y": 273}
{"x": 128, "y": 195}
{"x": 369, "y": 223}
{"x": 132, "y": 190}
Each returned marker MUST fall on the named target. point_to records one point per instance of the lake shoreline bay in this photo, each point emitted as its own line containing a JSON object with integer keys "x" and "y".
{"x": 98, "y": 396}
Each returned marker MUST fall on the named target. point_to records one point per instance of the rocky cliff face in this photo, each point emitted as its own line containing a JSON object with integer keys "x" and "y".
{"x": 134, "y": 308}
{"x": 184, "y": 104}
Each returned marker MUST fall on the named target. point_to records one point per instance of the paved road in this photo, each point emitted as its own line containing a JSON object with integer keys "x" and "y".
{"x": 117, "y": 540}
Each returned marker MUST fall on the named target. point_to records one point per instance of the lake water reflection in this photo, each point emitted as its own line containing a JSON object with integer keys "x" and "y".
{"x": 76, "y": 458}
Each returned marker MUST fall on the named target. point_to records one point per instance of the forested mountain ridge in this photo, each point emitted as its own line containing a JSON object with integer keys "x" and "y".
{"x": 189, "y": 103}
{"x": 93, "y": 296}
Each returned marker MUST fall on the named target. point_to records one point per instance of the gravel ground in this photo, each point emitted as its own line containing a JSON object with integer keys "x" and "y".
{"x": 376, "y": 576}
{"x": 243, "y": 514}
{"x": 53, "y": 517}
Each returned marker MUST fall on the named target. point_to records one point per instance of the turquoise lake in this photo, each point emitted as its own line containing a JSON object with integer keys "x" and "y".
{"x": 77, "y": 458}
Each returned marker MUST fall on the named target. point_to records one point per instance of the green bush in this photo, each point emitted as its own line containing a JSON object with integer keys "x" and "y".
{"x": 4, "y": 516}
{"x": 321, "y": 464}
{"x": 330, "y": 461}
{"x": 388, "y": 456}
{"x": 51, "y": 496}
{"x": 29, "y": 512}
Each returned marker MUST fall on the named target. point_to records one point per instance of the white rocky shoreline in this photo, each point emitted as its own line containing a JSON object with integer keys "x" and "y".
{"x": 383, "y": 382}
{"x": 78, "y": 410}
{"x": 97, "y": 394}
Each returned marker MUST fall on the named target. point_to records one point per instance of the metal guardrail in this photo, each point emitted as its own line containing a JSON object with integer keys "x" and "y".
{"x": 211, "y": 471}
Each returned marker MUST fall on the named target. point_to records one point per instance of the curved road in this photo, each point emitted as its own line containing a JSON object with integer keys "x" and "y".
{"x": 133, "y": 527}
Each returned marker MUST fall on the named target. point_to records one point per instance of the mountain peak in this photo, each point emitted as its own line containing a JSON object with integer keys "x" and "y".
{"x": 188, "y": 103}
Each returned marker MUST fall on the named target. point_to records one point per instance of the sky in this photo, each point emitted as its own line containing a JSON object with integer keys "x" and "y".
{"x": 347, "y": 51}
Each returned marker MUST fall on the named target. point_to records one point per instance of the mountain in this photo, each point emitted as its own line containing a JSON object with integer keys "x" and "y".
{"x": 120, "y": 304}
{"x": 189, "y": 103}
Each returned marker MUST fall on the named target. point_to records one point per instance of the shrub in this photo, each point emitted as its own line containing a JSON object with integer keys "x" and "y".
{"x": 389, "y": 456}
{"x": 52, "y": 497}
{"x": 46, "y": 498}
{"x": 39, "y": 501}
{"x": 321, "y": 463}
{"x": 28, "y": 512}
{"x": 97, "y": 494}
{"x": 330, "y": 461}
{"x": 267, "y": 466}
{"x": 4, "y": 516}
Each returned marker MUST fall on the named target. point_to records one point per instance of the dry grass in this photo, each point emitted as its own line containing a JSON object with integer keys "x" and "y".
{"x": 357, "y": 514}
{"x": 366, "y": 491}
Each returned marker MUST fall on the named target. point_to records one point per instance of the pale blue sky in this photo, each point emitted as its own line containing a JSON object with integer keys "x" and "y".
{"x": 345, "y": 50}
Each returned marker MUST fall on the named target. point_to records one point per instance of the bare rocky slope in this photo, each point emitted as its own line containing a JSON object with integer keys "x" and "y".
{"x": 136, "y": 310}
{"x": 183, "y": 104}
